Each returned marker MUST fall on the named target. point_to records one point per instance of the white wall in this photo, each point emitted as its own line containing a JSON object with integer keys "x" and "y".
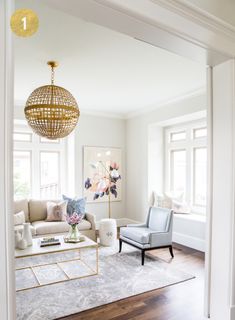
{"x": 145, "y": 162}
{"x": 100, "y": 131}
{"x": 139, "y": 179}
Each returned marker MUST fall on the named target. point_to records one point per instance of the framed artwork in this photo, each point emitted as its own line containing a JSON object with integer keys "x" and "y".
{"x": 102, "y": 174}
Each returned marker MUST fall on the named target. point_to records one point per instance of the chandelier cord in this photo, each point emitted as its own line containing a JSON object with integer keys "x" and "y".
{"x": 52, "y": 75}
{"x": 52, "y": 83}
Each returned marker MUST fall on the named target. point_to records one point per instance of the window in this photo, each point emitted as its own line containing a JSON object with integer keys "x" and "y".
{"x": 178, "y": 171}
{"x": 39, "y": 165}
{"x": 177, "y": 136}
{"x": 200, "y": 178}
{"x": 186, "y": 163}
{"x": 22, "y": 174}
{"x": 49, "y": 176}
{"x": 199, "y": 133}
{"x": 22, "y": 136}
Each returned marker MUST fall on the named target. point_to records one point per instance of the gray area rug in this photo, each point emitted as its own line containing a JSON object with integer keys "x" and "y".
{"x": 120, "y": 276}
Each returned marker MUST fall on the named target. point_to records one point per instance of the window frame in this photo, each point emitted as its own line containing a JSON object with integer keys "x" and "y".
{"x": 189, "y": 144}
{"x": 30, "y": 158}
{"x": 36, "y": 146}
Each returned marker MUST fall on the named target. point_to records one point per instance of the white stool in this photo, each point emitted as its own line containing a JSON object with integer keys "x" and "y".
{"x": 108, "y": 232}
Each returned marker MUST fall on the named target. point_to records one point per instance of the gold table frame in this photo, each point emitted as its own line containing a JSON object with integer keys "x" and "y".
{"x": 94, "y": 271}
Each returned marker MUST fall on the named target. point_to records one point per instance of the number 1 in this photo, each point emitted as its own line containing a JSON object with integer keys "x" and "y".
{"x": 24, "y": 20}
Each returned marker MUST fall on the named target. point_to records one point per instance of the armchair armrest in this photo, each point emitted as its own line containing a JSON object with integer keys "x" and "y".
{"x": 158, "y": 239}
{"x": 137, "y": 225}
{"x": 91, "y": 218}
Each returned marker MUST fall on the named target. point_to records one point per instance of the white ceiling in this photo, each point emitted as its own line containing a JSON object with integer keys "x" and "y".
{"x": 106, "y": 71}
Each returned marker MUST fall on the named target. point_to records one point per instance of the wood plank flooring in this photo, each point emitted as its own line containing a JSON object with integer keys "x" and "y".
{"x": 182, "y": 301}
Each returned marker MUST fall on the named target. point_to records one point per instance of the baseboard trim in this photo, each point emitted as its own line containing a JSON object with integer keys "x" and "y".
{"x": 121, "y": 222}
{"x": 189, "y": 241}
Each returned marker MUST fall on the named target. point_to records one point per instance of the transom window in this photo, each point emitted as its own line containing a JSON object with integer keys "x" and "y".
{"x": 39, "y": 165}
{"x": 186, "y": 163}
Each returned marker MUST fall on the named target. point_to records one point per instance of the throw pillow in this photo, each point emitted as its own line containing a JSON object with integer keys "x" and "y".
{"x": 75, "y": 205}
{"x": 56, "y": 211}
{"x": 180, "y": 207}
{"x": 162, "y": 201}
{"x": 19, "y": 218}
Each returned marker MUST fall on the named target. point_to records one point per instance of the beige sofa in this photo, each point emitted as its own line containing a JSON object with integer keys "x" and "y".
{"x": 36, "y": 212}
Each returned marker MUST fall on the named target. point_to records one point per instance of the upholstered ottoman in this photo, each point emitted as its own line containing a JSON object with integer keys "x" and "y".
{"x": 108, "y": 232}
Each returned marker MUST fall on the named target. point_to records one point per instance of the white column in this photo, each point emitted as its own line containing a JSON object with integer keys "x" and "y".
{"x": 7, "y": 296}
{"x": 222, "y": 257}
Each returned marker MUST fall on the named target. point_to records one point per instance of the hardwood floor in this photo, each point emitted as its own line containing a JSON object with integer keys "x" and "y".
{"x": 183, "y": 301}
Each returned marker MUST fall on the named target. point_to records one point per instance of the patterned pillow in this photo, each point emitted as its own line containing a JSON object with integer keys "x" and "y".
{"x": 75, "y": 205}
{"x": 56, "y": 211}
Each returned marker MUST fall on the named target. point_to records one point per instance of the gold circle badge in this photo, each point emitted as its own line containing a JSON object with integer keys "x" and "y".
{"x": 24, "y": 22}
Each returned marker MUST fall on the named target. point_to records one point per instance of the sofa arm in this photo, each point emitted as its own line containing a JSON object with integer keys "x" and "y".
{"x": 158, "y": 239}
{"x": 91, "y": 218}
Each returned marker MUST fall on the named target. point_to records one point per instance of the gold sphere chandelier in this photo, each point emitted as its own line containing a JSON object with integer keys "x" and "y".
{"x": 51, "y": 111}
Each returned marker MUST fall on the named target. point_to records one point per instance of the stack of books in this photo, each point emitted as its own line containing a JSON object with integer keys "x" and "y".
{"x": 49, "y": 241}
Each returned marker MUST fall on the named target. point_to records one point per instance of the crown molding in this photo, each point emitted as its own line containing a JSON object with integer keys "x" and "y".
{"x": 103, "y": 114}
{"x": 198, "y": 15}
{"x": 146, "y": 110}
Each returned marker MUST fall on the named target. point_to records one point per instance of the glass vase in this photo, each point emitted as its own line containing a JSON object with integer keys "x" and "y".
{"x": 74, "y": 233}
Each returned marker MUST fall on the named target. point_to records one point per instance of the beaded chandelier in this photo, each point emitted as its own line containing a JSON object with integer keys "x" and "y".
{"x": 51, "y": 111}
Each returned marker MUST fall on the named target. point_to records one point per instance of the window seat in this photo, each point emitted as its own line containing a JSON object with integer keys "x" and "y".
{"x": 190, "y": 230}
{"x": 190, "y": 216}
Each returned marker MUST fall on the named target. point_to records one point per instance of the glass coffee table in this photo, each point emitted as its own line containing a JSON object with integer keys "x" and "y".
{"x": 42, "y": 266}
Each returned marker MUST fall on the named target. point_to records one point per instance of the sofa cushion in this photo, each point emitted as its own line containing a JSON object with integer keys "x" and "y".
{"x": 45, "y": 227}
{"x": 19, "y": 218}
{"x": 38, "y": 209}
{"x": 20, "y": 228}
{"x": 140, "y": 235}
{"x": 22, "y": 205}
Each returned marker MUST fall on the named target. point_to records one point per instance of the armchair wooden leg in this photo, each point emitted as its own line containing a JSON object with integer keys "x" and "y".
{"x": 120, "y": 245}
{"x": 142, "y": 256}
{"x": 171, "y": 251}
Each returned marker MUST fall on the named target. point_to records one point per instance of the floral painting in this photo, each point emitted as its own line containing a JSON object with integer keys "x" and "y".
{"x": 102, "y": 174}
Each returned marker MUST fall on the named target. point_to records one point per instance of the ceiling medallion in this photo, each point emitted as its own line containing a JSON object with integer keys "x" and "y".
{"x": 51, "y": 111}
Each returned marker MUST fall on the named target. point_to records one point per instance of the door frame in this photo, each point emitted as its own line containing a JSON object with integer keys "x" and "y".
{"x": 169, "y": 24}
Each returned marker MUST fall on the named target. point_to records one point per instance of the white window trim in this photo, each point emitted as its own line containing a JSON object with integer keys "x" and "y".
{"x": 189, "y": 144}
{"x": 35, "y": 146}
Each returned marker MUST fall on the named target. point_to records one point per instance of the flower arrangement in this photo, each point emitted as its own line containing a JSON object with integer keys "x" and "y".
{"x": 74, "y": 219}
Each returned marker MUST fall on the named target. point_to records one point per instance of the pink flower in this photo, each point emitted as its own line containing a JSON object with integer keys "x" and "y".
{"x": 74, "y": 218}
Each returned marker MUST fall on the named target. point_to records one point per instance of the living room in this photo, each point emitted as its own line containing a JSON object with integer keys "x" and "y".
{"x": 140, "y": 142}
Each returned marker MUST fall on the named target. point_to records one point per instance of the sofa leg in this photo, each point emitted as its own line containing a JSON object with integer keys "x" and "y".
{"x": 142, "y": 256}
{"x": 120, "y": 245}
{"x": 171, "y": 251}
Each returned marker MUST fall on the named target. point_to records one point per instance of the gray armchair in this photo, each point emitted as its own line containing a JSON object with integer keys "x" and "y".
{"x": 154, "y": 234}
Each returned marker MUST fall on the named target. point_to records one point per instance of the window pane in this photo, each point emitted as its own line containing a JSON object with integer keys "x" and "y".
{"x": 22, "y": 174}
{"x": 178, "y": 171}
{"x": 199, "y": 133}
{"x": 45, "y": 140}
{"x": 49, "y": 175}
{"x": 22, "y": 136}
{"x": 178, "y": 136}
{"x": 200, "y": 176}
